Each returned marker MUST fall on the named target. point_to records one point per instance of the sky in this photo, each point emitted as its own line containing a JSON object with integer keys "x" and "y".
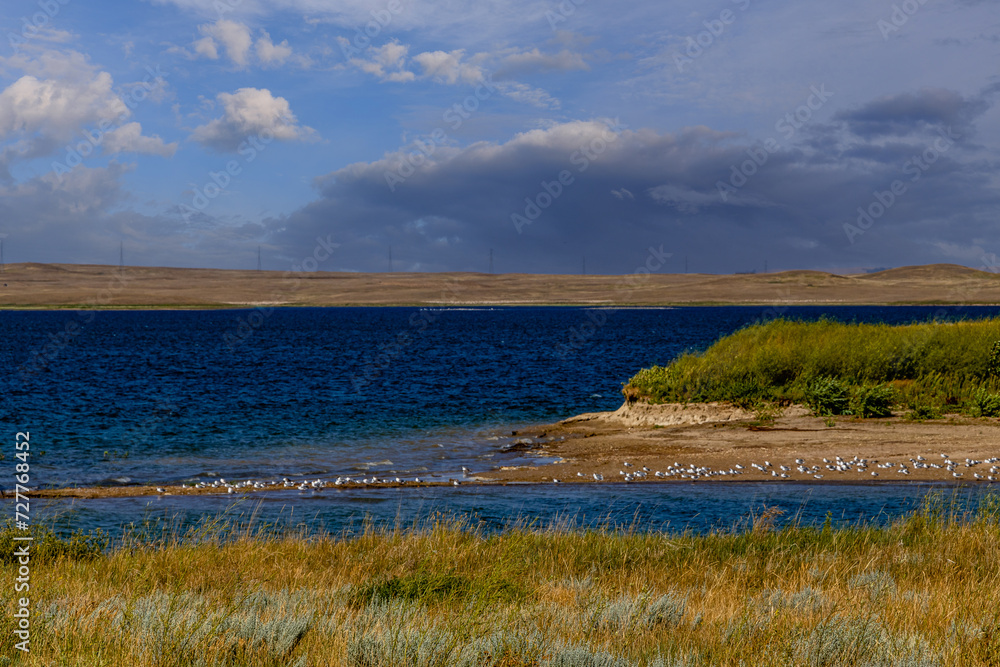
{"x": 721, "y": 135}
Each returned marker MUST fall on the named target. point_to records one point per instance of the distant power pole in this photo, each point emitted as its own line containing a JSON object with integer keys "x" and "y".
{"x": 685, "y": 263}
{"x": 258, "y": 258}
{"x": 121, "y": 257}
{"x": 390, "y": 259}
{"x": 491, "y": 260}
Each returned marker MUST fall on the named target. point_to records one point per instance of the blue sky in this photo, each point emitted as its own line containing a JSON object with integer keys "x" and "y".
{"x": 828, "y": 136}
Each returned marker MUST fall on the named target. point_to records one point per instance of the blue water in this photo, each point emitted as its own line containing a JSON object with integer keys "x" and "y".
{"x": 170, "y": 396}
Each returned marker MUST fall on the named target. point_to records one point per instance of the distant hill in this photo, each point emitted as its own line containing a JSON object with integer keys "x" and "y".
{"x": 93, "y": 286}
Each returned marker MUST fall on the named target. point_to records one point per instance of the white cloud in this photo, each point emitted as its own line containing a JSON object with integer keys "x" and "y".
{"x": 206, "y": 47}
{"x": 447, "y": 67}
{"x": 270, "y": 53}
{"x": 57, "y": 108}
{"x": 522, "y": 92}
{"x": 387, "y": 62}
{"x": 63, "y": 98}
{"x": 236, "y": 40}
{"x": 234, "y": 37}
{"x": 247, "y": 113}
{"x": 536, "y": 61}
{"x": 129, "y": 139}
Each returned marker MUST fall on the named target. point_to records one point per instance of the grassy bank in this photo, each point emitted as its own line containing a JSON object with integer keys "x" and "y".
{"x": 922, "y": 591}
{"x": 836, "y": 368}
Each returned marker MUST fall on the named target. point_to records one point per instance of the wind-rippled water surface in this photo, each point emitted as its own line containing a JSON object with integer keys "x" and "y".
{"x": 169, "y": 396}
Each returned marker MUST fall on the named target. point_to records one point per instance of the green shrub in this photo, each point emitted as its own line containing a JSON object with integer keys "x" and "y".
{"x": 993, "y": 365}
{"x": 746, "y": 392}
{"x": 833, "y": 367}
{"x": 984, "y": 404}
{"x": 872, "y": 401}
{"x": 921, "y": 411}
{"x": 828, "y": 396}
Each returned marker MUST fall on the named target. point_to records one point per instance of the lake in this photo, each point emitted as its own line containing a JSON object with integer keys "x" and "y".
{"x": 161, "y": 397}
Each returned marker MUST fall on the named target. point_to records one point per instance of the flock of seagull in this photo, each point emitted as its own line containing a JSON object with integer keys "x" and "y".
{"x": 816, "y": 471}
{"x": 630, "y": 473}
{"x": 305, "y": 485}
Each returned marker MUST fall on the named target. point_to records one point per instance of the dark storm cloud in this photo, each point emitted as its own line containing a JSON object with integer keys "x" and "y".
{"x": 906, "y": 113}
{"x": 648, "y": 189}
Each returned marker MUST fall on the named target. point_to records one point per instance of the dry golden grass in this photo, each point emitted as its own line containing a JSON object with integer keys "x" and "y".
{"x": 922, "y": 591}
{"x": 91, "y": 286}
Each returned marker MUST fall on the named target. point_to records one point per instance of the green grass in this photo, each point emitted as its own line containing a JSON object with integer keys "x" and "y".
{"x": 924, "y": 590}
{"x": 48, "y": 546}
{"x": 837, "y": 368}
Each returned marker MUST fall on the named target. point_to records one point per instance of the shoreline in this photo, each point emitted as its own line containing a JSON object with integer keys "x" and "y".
{"x": 722, "y": 438}
{"x": 698, "y": 444}
{"x": 461, "y": 305}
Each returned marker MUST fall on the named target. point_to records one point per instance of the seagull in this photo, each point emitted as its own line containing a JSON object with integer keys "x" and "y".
{"x": 159, "y": 490}
{"x": 598, "y": 476}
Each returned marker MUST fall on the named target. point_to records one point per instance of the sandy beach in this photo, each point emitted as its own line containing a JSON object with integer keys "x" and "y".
{"x": 705, "y": 444}
{"x": 721, "y": 437}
